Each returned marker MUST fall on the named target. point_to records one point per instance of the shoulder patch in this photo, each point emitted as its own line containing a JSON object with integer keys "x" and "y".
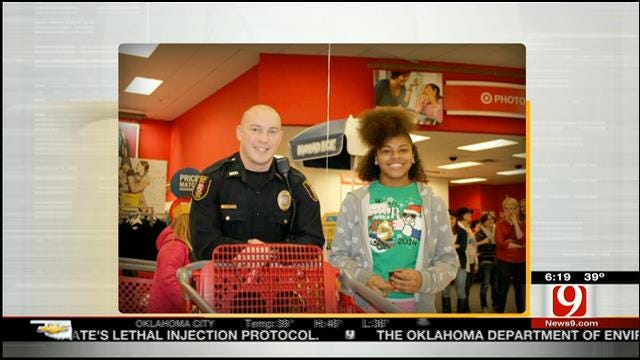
{"x": 201, "y": 189}
{"x": 312, "y": 194}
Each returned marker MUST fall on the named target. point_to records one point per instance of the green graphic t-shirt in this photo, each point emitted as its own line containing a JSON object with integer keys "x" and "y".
{"x": 395, "y": 226}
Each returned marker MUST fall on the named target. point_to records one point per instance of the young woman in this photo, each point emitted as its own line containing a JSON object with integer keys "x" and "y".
{"x": 430, "y": 104}
{"x": 487, "y": 256}
{"x": 461, "y": 242}
{"x": 392, "y": 92}
{"x": 511, "y": 255}
{"x": 174, "y": 252}
{"x": 393, "y": 235}
{"x": 464, "y": 221}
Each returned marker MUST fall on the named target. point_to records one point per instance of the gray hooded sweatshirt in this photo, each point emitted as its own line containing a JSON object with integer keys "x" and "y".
{"x": 437, "y": 259}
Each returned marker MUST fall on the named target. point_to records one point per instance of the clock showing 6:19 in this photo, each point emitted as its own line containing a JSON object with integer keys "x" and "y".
{"x": 557, "y": 277}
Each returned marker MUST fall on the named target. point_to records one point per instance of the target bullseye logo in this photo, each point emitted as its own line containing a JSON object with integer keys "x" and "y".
{"x": 486, "y": 98}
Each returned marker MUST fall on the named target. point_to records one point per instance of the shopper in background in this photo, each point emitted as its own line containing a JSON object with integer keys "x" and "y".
{"x": 174, "y": 252}
{"x": 460, "y": 244}
{"x": 393, "y": 234}
{"x": 485, "y": 239}
{"x": 464, "y": 219}
{"x": 523, "y": 209}
{"x": 246, "y": 198}
{"x": 475, "y": 226}
{"x": 511, "y": 255}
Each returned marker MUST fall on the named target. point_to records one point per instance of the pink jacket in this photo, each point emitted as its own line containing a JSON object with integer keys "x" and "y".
{"x": 166, "y": 294}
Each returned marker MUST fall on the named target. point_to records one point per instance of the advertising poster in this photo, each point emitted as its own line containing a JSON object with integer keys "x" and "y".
{"x": 141, "y": 184}
{"x": 419, "y": 92}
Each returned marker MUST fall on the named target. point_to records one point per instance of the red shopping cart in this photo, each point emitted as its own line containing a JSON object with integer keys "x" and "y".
{"x": 134, "y": 286}
{"x": 269, "y": 278}
{"x": 274, "y": 278}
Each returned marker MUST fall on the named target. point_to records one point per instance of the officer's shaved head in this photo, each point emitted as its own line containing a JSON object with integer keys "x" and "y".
{"x": 259, "y": 111}
{"x": 260, "y": 134}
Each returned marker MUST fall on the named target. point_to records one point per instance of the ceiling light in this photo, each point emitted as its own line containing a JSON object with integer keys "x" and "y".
{"x": 521, "y": 155}
{"x": 487, "y": 145}
{"x": 512, "y": 172}
{"x": 140, "y": 50}
{"x": 144, "y": 86}
{"x": 459, "y": 165}
{"x": 415, "y": 138}
{"x": 469, "y": 180}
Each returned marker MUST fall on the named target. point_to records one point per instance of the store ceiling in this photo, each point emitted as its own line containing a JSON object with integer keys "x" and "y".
{"x": 437, "y": 150}
{"x": 192, "y": 72}
{"x": 441, "y": 145}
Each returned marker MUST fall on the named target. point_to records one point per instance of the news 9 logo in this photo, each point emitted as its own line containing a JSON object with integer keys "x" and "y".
{"x": 569, "y": 300}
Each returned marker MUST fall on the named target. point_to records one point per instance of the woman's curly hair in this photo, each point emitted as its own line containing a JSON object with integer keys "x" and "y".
{"x": 376, "y": 127}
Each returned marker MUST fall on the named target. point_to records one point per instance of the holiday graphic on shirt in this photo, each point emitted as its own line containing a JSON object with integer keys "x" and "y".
{"x": 395, "y": 229}
{"x": 412, "y": 227}
{"x": 394, "y": 223}
{"x": 390, "y": 226}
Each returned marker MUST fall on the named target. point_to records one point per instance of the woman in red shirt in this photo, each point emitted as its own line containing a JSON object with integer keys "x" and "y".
{"x": 511, "y": 255}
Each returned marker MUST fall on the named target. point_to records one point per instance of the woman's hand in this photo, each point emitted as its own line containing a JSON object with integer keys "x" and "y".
{"x": 407, "y": 280}
{"x": 513, "y": 245}
{"x": 379, "y": 285}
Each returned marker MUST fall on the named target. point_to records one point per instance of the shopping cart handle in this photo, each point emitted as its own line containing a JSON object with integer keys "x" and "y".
{"x": 136, "y": 264}
{"x": 368, "y": 294}
{"x": 184, "y": 275}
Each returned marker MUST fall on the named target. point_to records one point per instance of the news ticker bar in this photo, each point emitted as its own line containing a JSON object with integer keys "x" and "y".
{"x": 586, "y": 277}
{"x": 325, "y": 329}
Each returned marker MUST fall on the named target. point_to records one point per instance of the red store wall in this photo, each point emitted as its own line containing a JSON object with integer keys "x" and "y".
{"x": 207, "y": 132}
{"x": 484, "y": 197}
{"x": 157, "y": 138}
{"x": 296, "y": 85}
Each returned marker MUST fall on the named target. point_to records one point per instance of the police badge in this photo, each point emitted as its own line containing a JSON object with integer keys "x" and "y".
{"x": 284, "y": 200}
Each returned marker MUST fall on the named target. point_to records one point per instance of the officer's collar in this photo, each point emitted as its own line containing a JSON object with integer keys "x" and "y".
{"x": 237, "y": 169}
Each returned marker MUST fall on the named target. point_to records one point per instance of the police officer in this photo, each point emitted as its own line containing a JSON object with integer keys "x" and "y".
{"x": 246, "y": 199}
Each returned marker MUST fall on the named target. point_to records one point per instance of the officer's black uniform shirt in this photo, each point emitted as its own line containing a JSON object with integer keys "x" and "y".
{"x": 256, "y": 180}
{"x": 232, "y": 205}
